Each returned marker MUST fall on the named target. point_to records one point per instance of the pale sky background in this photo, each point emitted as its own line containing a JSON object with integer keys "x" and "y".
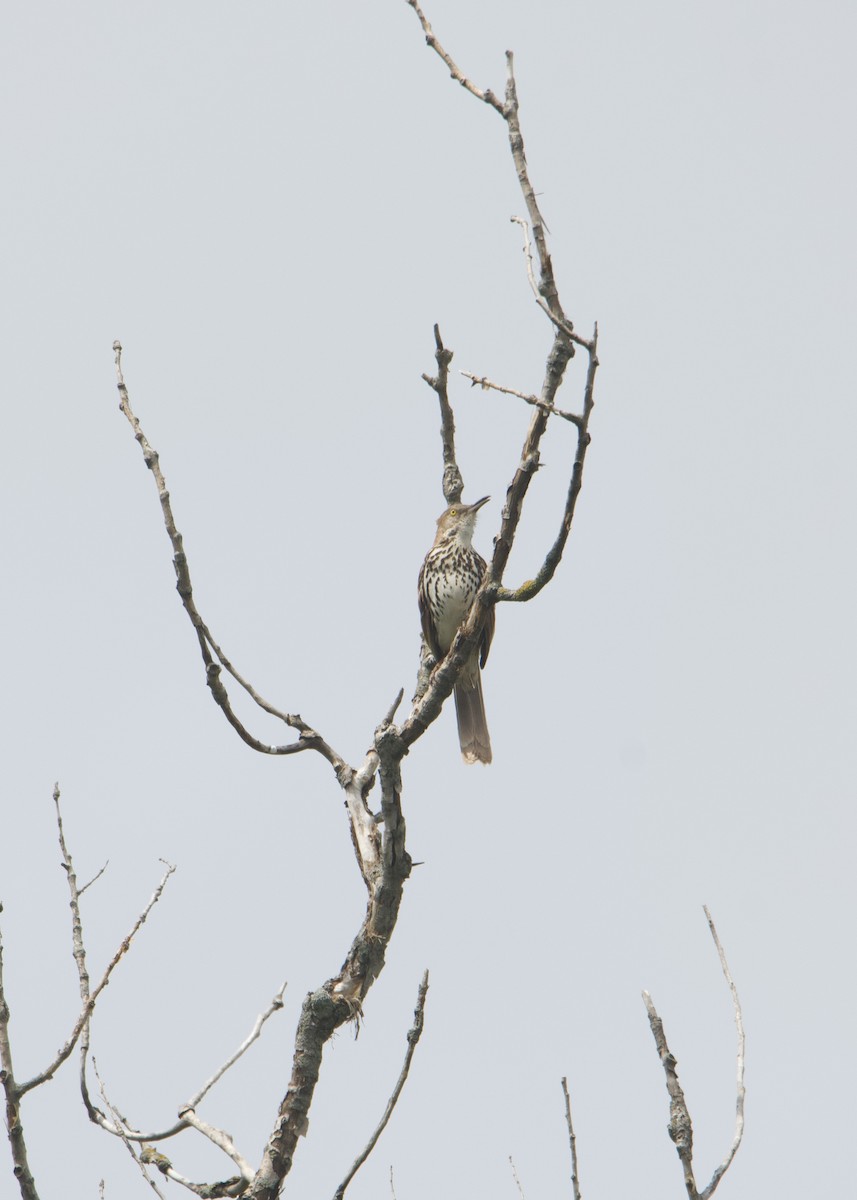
{"x": 270, "y": 204}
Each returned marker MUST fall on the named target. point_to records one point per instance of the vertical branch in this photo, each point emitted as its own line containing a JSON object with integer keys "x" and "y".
{"x": 547, "y": 283}
{"x": 14, "y": 1127}
{"x": 339, "y": 999}
{"x": 572, "y": 1141}
{"x": 680, "y": 1128}
{"x": 453, "y": 484}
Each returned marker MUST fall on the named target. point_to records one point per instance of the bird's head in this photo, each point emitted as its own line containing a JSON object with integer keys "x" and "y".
{"x": 459, "y": 521}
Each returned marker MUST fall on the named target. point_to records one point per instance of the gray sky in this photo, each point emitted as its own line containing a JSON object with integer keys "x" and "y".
{"x": 270, "y": 205}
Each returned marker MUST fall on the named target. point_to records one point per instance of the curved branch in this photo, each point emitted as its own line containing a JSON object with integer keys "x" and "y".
{"x": 134, "y": 1135}
{"x": 308, "y": 739}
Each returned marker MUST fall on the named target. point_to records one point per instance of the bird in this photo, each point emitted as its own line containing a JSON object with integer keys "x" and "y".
{"x": 449, "y": 580}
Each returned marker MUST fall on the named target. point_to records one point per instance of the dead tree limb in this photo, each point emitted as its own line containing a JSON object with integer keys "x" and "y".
{"x": 379, "y": 845}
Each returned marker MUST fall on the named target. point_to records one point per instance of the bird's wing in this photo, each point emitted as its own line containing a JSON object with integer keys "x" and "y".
{"x": 425, "y": 618}
{"x": 487, "y": 635}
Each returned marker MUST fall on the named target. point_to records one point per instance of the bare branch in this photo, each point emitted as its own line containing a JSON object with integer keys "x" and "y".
{"x": 120, "y": 1128}
{"x": 234, "y": 1186}
{"x": 547, "y": 288}
{"x": 95, "y": 878}
{"x": 221, "y": 1139}
{"x": 453, "y": 484}
{"x": 559, "y": 322}
{"x": 134, "y": 1135}
{"x": 391, "y": 711}
{"x": 385, "y": 864}
{"x": 516, "y": 1179}
{"x": 275, "y": 1006}
{"x": 487, "y": 97}
{"x": 487, "y": 384}
{"x": 546, "y": 572}
{"x": 680, "y": 1127}
{"x": 414, "y": 1034}
{"x": 89, "y": 997}
{"x": 308, "y": 739}
{"x": 739, "y": 1102}
{"x": 572, "y": 1141}
{"x": 14, "y": 1127}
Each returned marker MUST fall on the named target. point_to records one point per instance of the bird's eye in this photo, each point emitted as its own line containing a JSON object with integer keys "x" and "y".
{"x": 453, "y": 512}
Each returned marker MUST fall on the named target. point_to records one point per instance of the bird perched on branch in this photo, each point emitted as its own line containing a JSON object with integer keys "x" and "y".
{"x": 449, "y": 580}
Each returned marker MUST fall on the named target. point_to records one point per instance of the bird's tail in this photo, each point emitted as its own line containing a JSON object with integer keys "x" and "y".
{"x": 472, "y": 726}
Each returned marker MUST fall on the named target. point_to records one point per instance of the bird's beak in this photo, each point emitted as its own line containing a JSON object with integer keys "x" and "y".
{"x": 479, "y": 503}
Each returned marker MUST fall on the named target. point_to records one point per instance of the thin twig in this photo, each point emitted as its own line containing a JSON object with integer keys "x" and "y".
{"x": 488, "y": 96}
{"x": 120, "y": 1127}
{"x": 89, "y": 997}
{"x": 547, "y": 287}
{"x": 308, "y": 738}
{"x": 572, "y": 1141}
{"x": 516, "y": 1179}
{"x": 93, "y": 880}
{"x": 559, "y": 322}
{"x": 275, "y": 1006}
{"x": 680, "y": 1127}
{"x": 487, "y": 384}
{"x": 162, "y": 1134}
{"x": 414, "y": 1034}
{"x": 739, "y": 1102}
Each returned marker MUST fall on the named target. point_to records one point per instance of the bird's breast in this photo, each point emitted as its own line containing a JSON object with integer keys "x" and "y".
{"x": 451, "y": 581}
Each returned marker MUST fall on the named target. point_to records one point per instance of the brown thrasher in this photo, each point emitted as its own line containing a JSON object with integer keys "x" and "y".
{"x": 449, "y": 580}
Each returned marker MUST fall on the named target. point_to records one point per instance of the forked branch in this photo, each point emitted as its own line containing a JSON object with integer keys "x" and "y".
{"x": 433, "y": 690}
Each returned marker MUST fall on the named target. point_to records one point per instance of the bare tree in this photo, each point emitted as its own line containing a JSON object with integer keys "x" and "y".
{"x": 378, "y": 837}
